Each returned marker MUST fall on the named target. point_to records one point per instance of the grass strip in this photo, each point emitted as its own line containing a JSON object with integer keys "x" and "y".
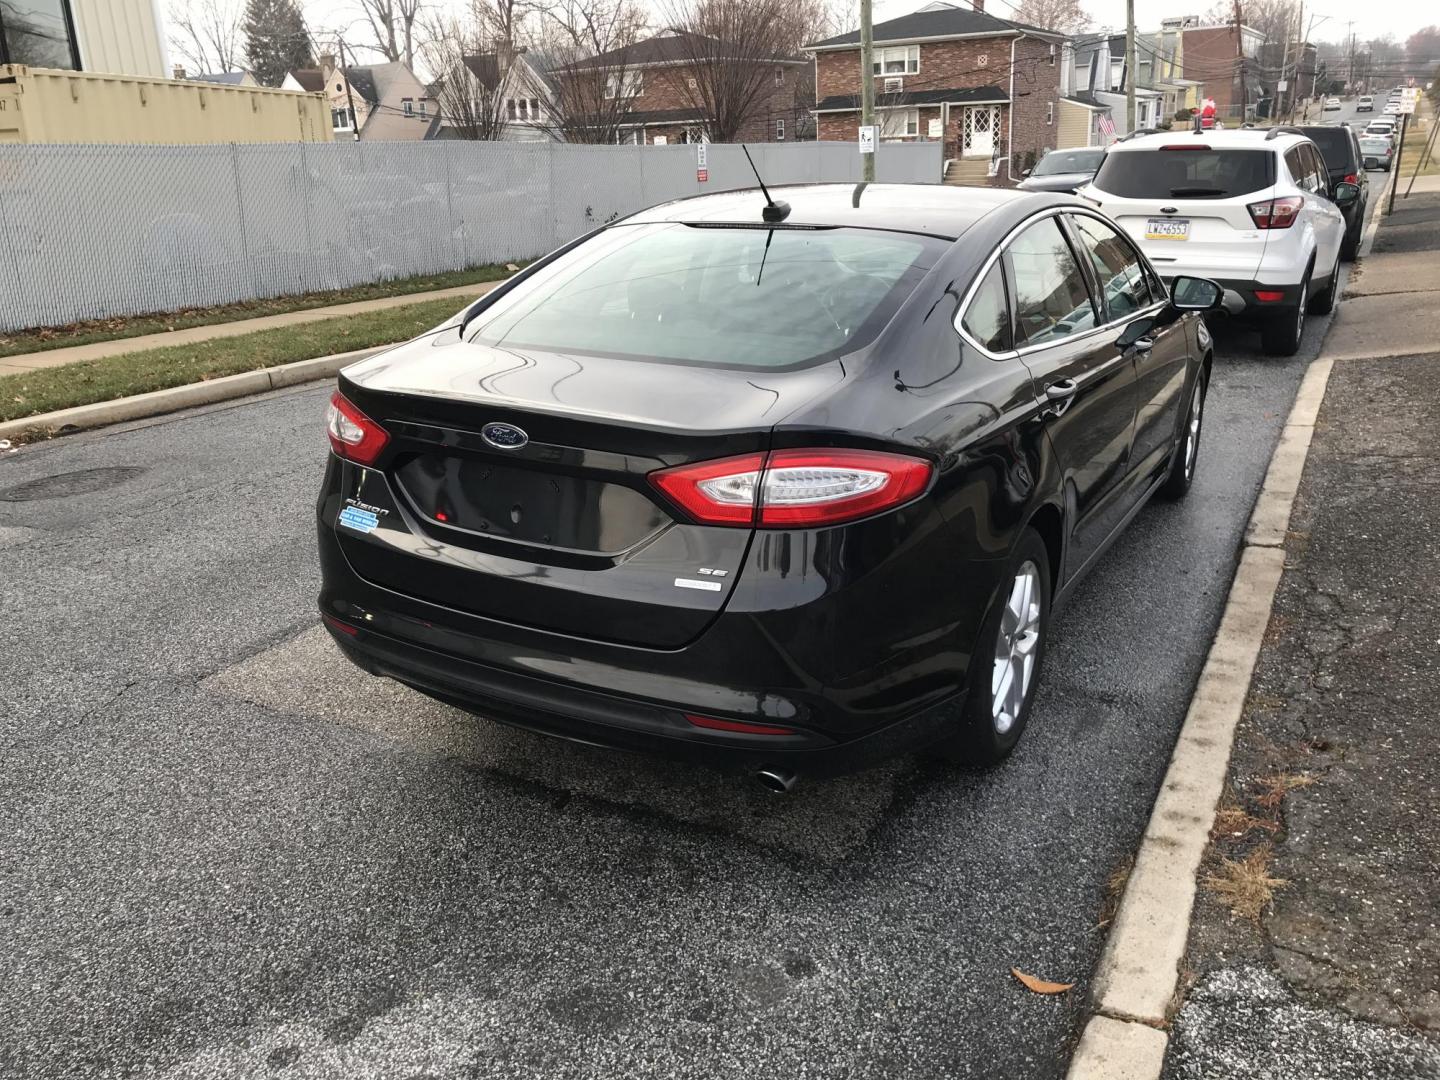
{"x": 42, "y": 339}
{"x": 47, "y": 389}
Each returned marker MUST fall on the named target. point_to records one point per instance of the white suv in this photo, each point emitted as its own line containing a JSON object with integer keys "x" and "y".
{"x": 1251, "y": 209}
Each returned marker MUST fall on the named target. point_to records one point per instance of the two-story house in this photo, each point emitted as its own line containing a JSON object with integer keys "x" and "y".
{"x": 1227, "y": 59}
{"x": 380, "y": 101}
{"x": 506, "y": 95}
{"x": 989, "y": 87}
{"x": 1100, "y": 77}
{"x": 665, "y": 93}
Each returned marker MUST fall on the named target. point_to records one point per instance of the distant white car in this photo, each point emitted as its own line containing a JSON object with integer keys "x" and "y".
{"x": 1377, "y": 151}
{"x": 1382, "y": 126}
{"x": 1365, "y": 104}
{"x": 1331, "y": 105}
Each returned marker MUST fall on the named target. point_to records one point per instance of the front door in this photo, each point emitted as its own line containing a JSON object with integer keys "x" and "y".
{"x": 977, "y": 132}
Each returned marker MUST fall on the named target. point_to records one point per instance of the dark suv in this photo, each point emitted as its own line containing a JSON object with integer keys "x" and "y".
{"x": 1340, "y": 147}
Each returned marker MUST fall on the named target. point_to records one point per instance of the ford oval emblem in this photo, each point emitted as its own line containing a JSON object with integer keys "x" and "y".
{"x": 504, "y": 436}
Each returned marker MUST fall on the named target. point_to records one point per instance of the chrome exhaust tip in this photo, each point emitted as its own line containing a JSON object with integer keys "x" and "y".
{"x": 780, "y": 781}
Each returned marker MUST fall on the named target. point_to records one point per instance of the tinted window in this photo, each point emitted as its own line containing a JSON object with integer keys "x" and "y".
{"x": 1117, "y": 268}
{"x": 1190, "y": 174}
{"x": 1299, "y": 169}
{"x": 36, "y": 32}
{"x": 1334, "y": 144}
{"x": 987, "y": 319}
{"x": 731, "y": 297}
{"x": 1051, "y": 300}
{"x": 1069, "y": 161}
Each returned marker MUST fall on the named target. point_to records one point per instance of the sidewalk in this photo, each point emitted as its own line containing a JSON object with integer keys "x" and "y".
{"x": 10, "y": 365}
{"x": 1315, "y": 946}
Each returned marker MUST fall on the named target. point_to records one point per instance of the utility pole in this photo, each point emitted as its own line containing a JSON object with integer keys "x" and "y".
{"x": 1399, "y": 149}
{"x": 1299, "y": 54}
{"x": 1129, "y": 66}
{"x": 349, "y": 97}
{"x": 1240, "y": 58}
{"x": 867, "y": 85}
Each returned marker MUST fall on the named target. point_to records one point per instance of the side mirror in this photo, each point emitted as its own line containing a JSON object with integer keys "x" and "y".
{"x": 1346, "y": 193}
{"x": 1197, "y": 293}
{"x": 1025, "y": 173}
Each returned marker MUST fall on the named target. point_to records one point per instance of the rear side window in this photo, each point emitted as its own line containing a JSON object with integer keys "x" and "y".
{"x": 1051, "y": 298}
{"x": 1186, "y": 174}
{"x": 987, "y": 319}
{"x": 723, "y": 296}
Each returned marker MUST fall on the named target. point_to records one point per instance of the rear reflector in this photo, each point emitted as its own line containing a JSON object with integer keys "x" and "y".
{"x": 353, "y": 435}
{"x": 343, "y": 627}
{"x": 1276, "y": 213}
{"x": 794, "y": 488}
{"x": 737, "y": 726}
{"x": 1269, "y": 296}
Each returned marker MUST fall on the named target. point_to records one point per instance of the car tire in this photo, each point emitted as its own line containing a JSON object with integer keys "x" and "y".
{"x": 1280, "y": 334}
{"x": 1350, "y": 246}
{"x": 1323, "y": 302}
{"x": 1187, "y": 451}
{"x": 990, "y": 727}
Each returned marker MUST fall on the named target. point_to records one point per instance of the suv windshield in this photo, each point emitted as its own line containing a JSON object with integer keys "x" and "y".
{"x": 1069, "y": 161}
{"x": 1185, "y": 173}
{"x": 717, "y": 295}
{"x": 1334, "y": 144}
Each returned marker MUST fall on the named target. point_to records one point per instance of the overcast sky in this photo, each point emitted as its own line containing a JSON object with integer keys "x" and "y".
{"x": 1398, "y": 17}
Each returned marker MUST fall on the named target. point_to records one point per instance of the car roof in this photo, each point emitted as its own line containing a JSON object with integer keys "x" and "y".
{"x": 1228, "y": 139}
{"x": 937, "y": 209}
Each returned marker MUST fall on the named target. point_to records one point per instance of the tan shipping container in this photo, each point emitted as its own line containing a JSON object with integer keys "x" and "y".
{"x": 43, "y": 105}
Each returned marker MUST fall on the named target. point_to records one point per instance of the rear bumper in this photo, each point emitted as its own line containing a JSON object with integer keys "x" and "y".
{"x": 1241, "y": 299}
{"x": 756, "y": 667}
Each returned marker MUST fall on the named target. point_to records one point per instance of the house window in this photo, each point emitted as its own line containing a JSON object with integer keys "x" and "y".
{"x": 690, "y": 82}
{"x": 534, "y": 108}
{"x": 342, "y": 119}
{"x": 423, "y": 103}
{"x": 510, "y": 109}
{"x": 524, "y": 109}
{"x": 899, "y": 60}
{"x": 1052, "y": 55}
{"x": 779, "y": 76}
{"x": 899, "y": 123}
{"x": 38, "y": 33}
{"x": 779, "y": 130}
{"x": 1049, "y": 112}
{"x": 631, "y": 87}
{"x": 408, "y": 104}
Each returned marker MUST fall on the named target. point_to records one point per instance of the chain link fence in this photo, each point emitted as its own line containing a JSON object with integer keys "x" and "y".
{"x": 91, "y": 232}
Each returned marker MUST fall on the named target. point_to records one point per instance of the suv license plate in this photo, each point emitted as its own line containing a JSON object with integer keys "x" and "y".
{"x": 1167, "y": 229}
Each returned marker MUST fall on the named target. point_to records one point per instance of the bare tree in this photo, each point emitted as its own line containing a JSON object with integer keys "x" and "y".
{"x": 727, "y": 51}
{"x": 471, "y": 71}
{"x": 206, "y": 34}
{"x": 1064, "y": 16}
{"x": 587, "y": 45}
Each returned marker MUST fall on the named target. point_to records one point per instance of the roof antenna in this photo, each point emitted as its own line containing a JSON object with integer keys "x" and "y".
{"x": 775, "y": 211}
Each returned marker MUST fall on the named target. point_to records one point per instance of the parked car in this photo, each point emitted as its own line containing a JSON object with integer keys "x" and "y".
{"x": 715, "y": 482}
{"x": 1331, "y": 105}
{"x": 1383, "y": 126}
{"x": 1252, "y": 209}
{"x": 1365, "y": 104}
{"x": 1340, "y": 148}
{"x": 1377, "y": 151}
{"x": 1064, "y": 170}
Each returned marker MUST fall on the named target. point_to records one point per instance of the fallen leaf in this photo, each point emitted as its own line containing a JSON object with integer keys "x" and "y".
{"x": 1040, "y": 986}
{"x": 511, "y": 267}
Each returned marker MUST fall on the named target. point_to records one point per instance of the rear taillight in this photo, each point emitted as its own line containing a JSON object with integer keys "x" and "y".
{"x": 1276, "y": 213}
{"x": 1185, "y": 146}
{"x": 1352, "y": 178}
{"x": 794, "y": 488}
{"x": 353, "y": 435}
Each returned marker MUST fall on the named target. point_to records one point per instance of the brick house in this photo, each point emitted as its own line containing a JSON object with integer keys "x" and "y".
{"x": 1226, "y": 59}
{"x": 659, "y": 78}
{"x": 988, "y": 87}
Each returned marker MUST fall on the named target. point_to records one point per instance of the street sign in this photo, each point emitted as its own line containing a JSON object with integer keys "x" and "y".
{"x": 1282, "y": 86}
{"x": 702, "y": 175}
{"x": 700, "y": 157}
{"x": 867, "y": 139}
{"x": 935, "y": 129}
{"x": 1409, "y": 98}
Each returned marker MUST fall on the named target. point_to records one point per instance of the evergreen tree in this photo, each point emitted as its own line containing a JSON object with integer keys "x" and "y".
{"x": 275, "y": 40}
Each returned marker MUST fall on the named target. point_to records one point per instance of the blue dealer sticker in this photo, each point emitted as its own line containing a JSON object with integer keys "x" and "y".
{"x": 352, "y": 517}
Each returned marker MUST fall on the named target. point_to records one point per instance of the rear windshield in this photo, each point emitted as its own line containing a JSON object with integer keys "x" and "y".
{"x": 1372, "y": 144}
{"x": 724, "y": 296}
{"x": 1334, "y": 144}
{"x": 1185, "y": 174}
{"x": 1069, "y": 161}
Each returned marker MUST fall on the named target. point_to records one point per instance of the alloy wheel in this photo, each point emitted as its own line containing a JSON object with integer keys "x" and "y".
{"x": 1192, "y": 432}
{"x": 1300, "y": 311}
{"x": 1016, "y": 647}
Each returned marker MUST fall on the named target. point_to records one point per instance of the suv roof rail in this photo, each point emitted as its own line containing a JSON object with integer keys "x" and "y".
{"x": 1141, "y": 131}
{"x": 1284, "y": 129}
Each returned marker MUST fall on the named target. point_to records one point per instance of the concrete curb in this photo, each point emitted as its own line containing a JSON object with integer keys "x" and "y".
{"x": 158, "y": 402}
{"x": 1138, "y": 975}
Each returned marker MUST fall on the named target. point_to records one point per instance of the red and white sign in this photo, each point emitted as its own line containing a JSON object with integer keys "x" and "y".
{"x": 702, "y": 175}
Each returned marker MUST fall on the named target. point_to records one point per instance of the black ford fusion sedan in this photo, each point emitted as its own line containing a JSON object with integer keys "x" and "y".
{"x": 784, "y": 487}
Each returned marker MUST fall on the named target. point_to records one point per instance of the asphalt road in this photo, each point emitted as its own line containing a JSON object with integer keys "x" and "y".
{"x": 225, "y": 853}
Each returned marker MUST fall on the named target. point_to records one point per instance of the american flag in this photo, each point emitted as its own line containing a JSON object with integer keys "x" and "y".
{"x": 1106, "y": 125}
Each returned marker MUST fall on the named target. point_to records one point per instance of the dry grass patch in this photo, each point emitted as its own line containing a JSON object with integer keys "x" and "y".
{"x": 1274, "y": 787}
{"x": 1245, "y": 885}
{"x": 1235, "y": 822}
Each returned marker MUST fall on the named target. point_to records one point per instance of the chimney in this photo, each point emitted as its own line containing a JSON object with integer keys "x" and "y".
{"x": 327, "y": 63}
{"x": 178, "y": 74}
{"x": 978, "y": 5}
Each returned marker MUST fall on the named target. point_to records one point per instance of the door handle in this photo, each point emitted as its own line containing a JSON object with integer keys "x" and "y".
{"x": 1141, "y": 345}
{"x": 1061, "y": 389}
